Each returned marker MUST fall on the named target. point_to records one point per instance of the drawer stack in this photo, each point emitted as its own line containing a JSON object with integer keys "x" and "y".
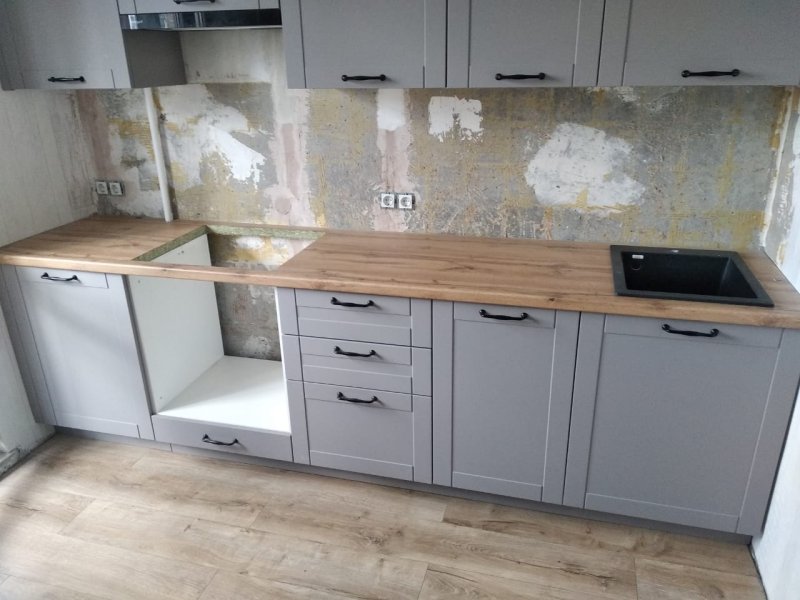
{"x": 361, "y": 370}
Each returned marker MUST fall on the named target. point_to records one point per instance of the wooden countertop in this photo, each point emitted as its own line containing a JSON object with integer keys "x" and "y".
{"x": 537, "y": 274}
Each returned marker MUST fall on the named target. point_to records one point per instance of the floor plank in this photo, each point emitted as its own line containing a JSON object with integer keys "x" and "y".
{"x": 44, "y": 509}
{"x": 443, "y": 583}
{"x": 645, "y": 543}
{"x": 662, "y": 581}
{"x": 229, "y": 586}
{"x": 18, "y": 588}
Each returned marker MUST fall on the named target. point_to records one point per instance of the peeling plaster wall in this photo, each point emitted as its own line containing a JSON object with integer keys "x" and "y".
{"x": 777, "y": 551}
{"x": 46, "y": 169}
{"x": 661, "y": 166}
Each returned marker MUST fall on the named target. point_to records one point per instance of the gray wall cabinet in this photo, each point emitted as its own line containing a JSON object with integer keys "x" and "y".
{"x": 651, "y": 42}
{"x": 502, "y": 396}
{"x": 362, "y": 366}
{"x": 488, "y": 40}
{"x": 402, "y": 40}
{"x": 169, "y": 6}
{"x": 75, "y": 337}
{"x": 682, "y": 429}
{"x": 80, "y": 45}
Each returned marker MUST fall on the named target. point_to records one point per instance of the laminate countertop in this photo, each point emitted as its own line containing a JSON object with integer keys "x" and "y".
{"x": 536, "y": 274}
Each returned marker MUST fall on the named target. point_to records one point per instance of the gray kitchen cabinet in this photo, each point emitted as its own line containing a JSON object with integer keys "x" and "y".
{"x": 365, "y": 43}
{"x": 502, "y": 395}
{"x": 75, "y": 337}
{"x": 167, "y": 6}
{"x": 680, "y": 421}
{"x": 512, "y": 43}
{"x": 80, "y": 45}
{"x": 691, "y": 42}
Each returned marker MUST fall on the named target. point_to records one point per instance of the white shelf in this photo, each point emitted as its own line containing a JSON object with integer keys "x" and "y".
{"x": 243, "y": 392}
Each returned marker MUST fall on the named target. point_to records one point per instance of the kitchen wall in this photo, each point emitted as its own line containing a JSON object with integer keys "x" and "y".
{"x": 661, "y": 166}
{"x": 777, "y": 551}
{"x": 46, "y": 168}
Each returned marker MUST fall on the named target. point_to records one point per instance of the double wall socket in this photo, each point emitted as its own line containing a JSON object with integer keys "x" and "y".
{"x": 391, "y": 200}
{"x": 105, "y": 188}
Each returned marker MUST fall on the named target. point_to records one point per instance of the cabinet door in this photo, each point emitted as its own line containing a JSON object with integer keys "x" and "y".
{"x": 393, "y": 43}
{"x": 651, "y": 42}
{"x": 84, "y": 337}
{"x": 673, "y": 427}
{"x": 502, "y": 395}
{"x": 543, "y": 43}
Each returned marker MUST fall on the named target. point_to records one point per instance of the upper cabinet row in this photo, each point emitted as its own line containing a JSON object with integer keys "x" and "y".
{"x": 544, "y": 43}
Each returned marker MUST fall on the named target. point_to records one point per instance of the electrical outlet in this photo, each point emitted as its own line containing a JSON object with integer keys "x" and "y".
{"x": 101, "y": 187}
{"x": 115, "y": 188}
{"x": 405, "y": 201}
{"x": 388, "y": 200}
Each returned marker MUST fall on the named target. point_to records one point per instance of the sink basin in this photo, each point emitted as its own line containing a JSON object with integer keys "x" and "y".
{"x": 698, "y": 275}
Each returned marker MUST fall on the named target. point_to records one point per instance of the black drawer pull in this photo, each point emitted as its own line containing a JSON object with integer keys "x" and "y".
{"x": 337, "y": 302}
{"x": 208, "y": 440}
{"x": 380, "y": 77}
{"x": 65, "y": 279}
{"x": 688, "y": 73}
{"x": 711, "y": 334}
{"x": 486, "y": 315}
{"x": 80, "y": 79}
{"x": 501, "y": 77}
{"x": 341, "y": 396}
{"x": 341, "y": 352}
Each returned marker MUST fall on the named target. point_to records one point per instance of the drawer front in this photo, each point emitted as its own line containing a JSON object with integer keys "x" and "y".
{"x": 93, "y": 79}
{"x": 169, "y": 6}
{"x": 357, "y": 325}
{"x": 61, "y": 277}
{"x": 508, "y": 315}
{"x": 361, "y": 439}
{"x": 344, "y": 349}
{"x": 339, "y": 394}
{"x": 372, "y": 373}
{"x": 727, "y": 334}
{"x": 382, "y": 305}
{"x": 251, "y": 442}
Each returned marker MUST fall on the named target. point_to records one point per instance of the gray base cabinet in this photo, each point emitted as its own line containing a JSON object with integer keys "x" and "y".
{"x": 502, "y": 396}
{"x": 75, "y": 338}
{"x": 680, "y": 427}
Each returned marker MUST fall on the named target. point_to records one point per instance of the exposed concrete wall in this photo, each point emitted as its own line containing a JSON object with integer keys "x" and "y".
{"x": 777, "y": 551}
{"x": 46, "y": 169}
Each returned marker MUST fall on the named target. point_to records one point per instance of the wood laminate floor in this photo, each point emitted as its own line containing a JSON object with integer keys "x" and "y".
{"x": 89, "y": 520}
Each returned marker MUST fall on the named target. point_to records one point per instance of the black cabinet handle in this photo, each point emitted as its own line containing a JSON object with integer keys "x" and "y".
{"x": 341, "y": 396}
{"x": 380, "y": 77}
{"x": 337, "y": 302}
{"x": 208, "y": 440}
{"x": 486, "y": 315}
{"x": 501, "y": 77}
{"x": 80, "y": 79}
{"x": 341, "y": 352}
{"x": 66, "y": 279}
{"x": 710, "y": 334}
{"x": 688, "y": 73}
{"x": 192, "y": 1}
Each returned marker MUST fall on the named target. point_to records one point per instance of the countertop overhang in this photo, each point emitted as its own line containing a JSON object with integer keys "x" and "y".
{"x": 573, "y": 276}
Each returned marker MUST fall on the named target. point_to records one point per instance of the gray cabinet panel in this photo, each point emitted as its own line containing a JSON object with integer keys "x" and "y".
{"x": 167, "y": 6}
{"x": 287, "y": 310}
{"x": 86, "y": 345}
{"x": 525, "y": 37}
{"x": 509, "y": 403}
{"x": 667, "y": 427}
{"x": 423, "y": 439}
{"x": 297, "y": 417}
{"x": 366, "y": 38}
{"x": 666, "y": 38}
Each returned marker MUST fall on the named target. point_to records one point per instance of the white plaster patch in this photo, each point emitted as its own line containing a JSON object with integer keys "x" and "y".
{"x": 249, "y": 243}
{"x": 391, "y": 109}
{"x": 791, "y": 259}
{"x": 580, "y": 164}
{"x": 449, "y": 113}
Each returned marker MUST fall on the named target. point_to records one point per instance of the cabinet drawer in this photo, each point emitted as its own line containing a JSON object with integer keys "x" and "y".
{"x": 487, "y": 313}
{"x": 411, "y": 374}
{"x": 169, "y": 6}
{"x": 382, "y": 305}
{"x": 341, "y": 349}
{"x": 252, "y": 442}
{"x": 727, "y": 334}
{"x": 334, "y": 393}
{"x": 361, "y": 439}
{"x": 54, "y": 277}
{"x": 93, "y": 79}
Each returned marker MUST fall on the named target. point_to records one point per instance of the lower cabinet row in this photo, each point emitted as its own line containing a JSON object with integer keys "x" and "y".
{"x": 676, "y": 421}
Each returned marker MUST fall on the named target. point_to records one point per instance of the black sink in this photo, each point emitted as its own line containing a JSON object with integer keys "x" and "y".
{"x": 699, "y": 275}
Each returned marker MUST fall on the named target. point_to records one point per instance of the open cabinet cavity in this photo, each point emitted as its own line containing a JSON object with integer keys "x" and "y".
{"x": 199, "y": 395}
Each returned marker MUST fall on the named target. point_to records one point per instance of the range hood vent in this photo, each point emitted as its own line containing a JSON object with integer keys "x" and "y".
{"x": 213, "y": 19}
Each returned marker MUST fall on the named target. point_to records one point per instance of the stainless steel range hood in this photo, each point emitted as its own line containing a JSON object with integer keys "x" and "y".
{"x": 216, "y": 19}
